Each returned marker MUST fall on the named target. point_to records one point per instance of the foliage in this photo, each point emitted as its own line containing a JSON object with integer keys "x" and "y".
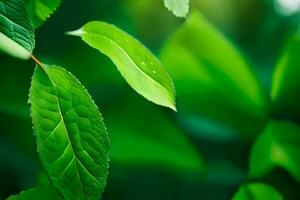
{"x": 40, "y": 10}
{"x": 201, "y": 73}
{"x": 140, "y": 68}
{"x": 278, "y": 145}
{"x": 16, "y": 34}
{"x": 236, "y": 124}
{"x": 42, "y": 192}
{"x": 134, "y": 144}
{"x": 71, "y": 137}
{"x": 257, "y": 191}
{"x": 180, "y": 8}
{"x": 285, "y": 83}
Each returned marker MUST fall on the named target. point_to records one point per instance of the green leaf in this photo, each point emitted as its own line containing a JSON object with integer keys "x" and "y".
{"x": 278, "y": 145}
{"x": 38, "y": 193}
{"x": 16, "y": 31}
{"x": 140, "y": 68}
{"x": 211, "y": 77}
{"x": 40, "y": 10}
{"x": 257, "y": 191}
{"x": 72, "y": 141}
{"x": 153, "y": 140}
{"x": 286, "y": 83}
{"x": 180, "y": 8}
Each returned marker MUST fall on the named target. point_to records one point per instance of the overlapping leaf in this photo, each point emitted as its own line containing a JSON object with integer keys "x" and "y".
{"x": 257, "y": 191}
{"x": 43, "y": 192}
{"x": 16, "y": 31}
{"x": 278, "y": 145}
{"x": 180, "y": 8}
{"x": 211, "y": 77}
{"x": 286, "y": 82}
{"x": 40, "y": 10}
{"x": 72, "y": 140}
{"x": 140, "y": 68}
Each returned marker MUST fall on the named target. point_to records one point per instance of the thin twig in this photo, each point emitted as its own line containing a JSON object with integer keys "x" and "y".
{"x": 38, "y": 63}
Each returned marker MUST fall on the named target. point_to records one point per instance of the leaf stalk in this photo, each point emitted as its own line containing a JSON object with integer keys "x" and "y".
{"x": 41, "y": 65}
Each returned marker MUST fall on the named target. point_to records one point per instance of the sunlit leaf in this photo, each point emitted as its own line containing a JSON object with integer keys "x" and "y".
{"x": 142, "y": 135}
{"x": 38, "y": 193}
{"x": 286, "y": 82}
{"x": 278, "y": 145}
{"x": 16, "y": 31}
{"x": 257, "y": 191}
{"x": 211, "y": 77}
{"x": 140, "y": 68}
{"x": 180, "y": 8}
{"x": 40, "y": 10}
{"x": 72, "y": 140}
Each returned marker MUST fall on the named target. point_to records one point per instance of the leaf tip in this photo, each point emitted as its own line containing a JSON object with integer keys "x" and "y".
{"x": 171, "y": 106}
{"x": 179, "y": 9}
{"x": 78, "y": 32}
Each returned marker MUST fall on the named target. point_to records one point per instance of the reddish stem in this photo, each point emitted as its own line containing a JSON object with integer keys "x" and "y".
{"x": 38, "y": 62}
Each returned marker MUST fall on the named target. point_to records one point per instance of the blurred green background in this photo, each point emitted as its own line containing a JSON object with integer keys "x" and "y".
{"x": 156, "y": 153}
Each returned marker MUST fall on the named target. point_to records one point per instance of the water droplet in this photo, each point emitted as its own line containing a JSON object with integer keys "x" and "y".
{"x": 143, "y": 63}
{"x": 154, "y": 72}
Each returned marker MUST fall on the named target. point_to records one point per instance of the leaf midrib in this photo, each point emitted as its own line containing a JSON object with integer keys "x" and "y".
{"x": 129, "y": 57}
{"x": 22, "y": 27}
{"x": 77, "y": 161}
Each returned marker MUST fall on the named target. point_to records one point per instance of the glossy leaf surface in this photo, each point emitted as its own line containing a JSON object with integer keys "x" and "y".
{"x": 140, "y": 68}
{"x": 16, "y": 31}
{"x": 72, "y": 140}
